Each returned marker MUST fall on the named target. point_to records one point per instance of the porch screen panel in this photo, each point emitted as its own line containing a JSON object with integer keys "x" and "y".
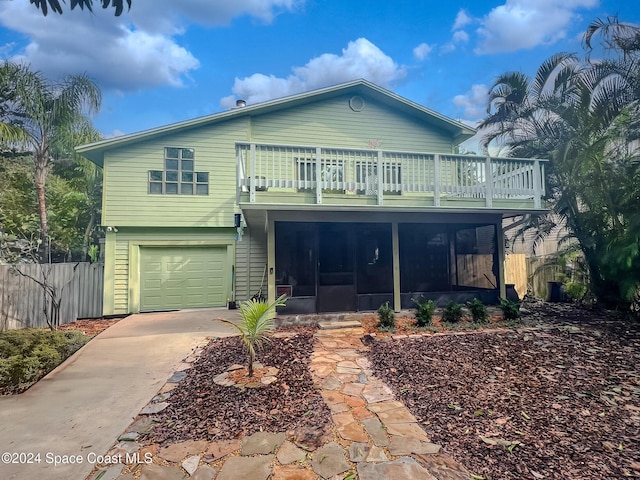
{"x": 476, "y": 261}
{"x": 374, "y": 257}
{"x": 424, "y": 258}
{"x": 296, "y": 258}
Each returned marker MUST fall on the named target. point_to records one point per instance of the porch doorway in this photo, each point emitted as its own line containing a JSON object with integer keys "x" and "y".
{"x": 336, "y": 268}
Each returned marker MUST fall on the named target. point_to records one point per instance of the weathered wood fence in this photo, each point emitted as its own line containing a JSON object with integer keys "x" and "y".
{"x": 22, "y": 300}
{"x": 531, "y": 274}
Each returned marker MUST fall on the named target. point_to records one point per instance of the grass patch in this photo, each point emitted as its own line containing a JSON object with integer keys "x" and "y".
{"x": 29, "y": 354}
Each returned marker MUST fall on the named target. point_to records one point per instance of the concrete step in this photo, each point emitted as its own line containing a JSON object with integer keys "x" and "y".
{"x": 333, "y": 325}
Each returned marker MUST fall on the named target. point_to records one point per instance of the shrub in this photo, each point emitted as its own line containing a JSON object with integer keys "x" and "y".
{"x": 386, "y": 317}
{"x": 478, "y": 311}
{"x": 575, "y": 291}
{"x": 510, "y": 309}
{"x": 424, "y": 312}
{"x": 452, "y": 313}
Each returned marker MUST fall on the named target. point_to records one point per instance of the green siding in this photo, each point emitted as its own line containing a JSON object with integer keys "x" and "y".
{"x": 251, "y": 259}
{"x": 332, "y": 123}
{"x": 126, "y": 200}
{"x": 122, "y": 280}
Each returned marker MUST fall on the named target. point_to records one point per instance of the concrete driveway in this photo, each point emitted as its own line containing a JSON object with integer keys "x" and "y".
{"x": 80, "y": 409}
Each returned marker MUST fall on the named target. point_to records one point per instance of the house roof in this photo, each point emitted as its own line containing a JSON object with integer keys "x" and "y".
{"x": 459, "y": 131}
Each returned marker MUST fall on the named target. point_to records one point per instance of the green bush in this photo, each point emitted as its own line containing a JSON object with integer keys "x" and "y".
{"x": 424, "y": 312}
{"x": 29, "y": 354}
{"x": 452, "y": 313}
{"x": 575, "y": 291}
{"x": 478, "y": 311}
{"x": 510, "y": 309}
{"x": 386, "y": 317}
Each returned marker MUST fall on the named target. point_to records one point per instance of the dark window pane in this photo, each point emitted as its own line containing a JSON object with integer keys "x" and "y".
{"x": 171, "y": 188}
{"x": 171, "y": 152}
{"x": 202, "y": 177}
{"x": 155, "y": 187}
{"x": 155, "y": 175}
{"x": 187, "y": 177}
{"x": 202, "y": 189}
{"x": 187, "y": 165}
{"x": 171, "y": 164}
{"x": 172, "y": 176}
{"x": 187, "y": 153}
{"x": 186, "y": 188}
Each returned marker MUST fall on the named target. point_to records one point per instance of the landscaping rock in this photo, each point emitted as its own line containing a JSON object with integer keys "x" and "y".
{"x": 291, "y": 472}
{"x": 110, "y": 473}
{"x": 160, "y": 472}
{"x": 376, "y": 431}
{"x": 247, "y": 468}
{"x": 204, "y": 472}
{"x": 177, "y": 377}
{"x": 401, "y": 468}
{"x": 262, "y": 442}
{"x": 406, "y": 446}
{"x": 289, "y": 453}
{"x": 329, "y": 460}
{"x": 153, "y": 408}
{"x": 176, "y": 452}
{"x": 221, "y": 448}
{"x": 191, "y": 464}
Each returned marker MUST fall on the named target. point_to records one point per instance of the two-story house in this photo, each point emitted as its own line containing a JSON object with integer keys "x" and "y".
{"x": 343, "y": 198}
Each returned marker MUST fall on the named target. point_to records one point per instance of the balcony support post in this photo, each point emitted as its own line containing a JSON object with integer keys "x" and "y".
{"x": 380, "y": 178}
{"x": 319, "y": 180}
{"x": 537, "y": 185}
{"x": 252, "y": 183}
{"x": 436, "y": 180}
{"x": 488, "y": 183}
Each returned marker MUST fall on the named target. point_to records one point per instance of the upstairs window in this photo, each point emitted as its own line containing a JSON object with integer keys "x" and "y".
{"x": 179, "y": 176}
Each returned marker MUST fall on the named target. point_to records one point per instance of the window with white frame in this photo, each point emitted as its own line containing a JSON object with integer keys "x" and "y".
{"x": 179, "y": 176}
{"x": 331, "y": 173}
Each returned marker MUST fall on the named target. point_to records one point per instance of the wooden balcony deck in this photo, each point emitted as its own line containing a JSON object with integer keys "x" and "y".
{"x": 294, "y": 174}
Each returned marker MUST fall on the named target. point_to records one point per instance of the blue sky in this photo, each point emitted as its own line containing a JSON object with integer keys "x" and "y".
{"x": 169, "y": 60}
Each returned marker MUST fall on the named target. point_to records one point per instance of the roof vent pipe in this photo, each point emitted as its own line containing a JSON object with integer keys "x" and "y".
{"x": 241, "y": 103}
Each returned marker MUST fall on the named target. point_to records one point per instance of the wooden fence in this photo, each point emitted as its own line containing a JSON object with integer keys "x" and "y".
{"x": 22, "y": 300}
{"x": 531, "y": 274}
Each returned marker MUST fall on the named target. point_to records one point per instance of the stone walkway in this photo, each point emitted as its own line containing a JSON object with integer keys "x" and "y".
{"x": 375, "y": 437}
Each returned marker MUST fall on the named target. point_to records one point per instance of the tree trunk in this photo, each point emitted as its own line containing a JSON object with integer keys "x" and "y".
{"x": 41, "y": 166}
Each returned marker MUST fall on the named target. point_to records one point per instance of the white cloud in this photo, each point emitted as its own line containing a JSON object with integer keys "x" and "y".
{"x": 460, "y": 36}
{"x": 422, "y": 51}
{"x": 473, "y": 103}
{"x": 462, "y": 19}
{"x": 361, "y": 59}
{"x": 524, "y": 24}
{"x": 140, "y": 49}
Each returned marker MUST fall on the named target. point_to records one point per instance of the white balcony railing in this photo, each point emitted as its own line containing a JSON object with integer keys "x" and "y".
{"x": 322, "y": 170}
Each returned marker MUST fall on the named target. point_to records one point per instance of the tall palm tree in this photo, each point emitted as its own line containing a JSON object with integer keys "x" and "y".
{"x": 41, "y": 113}
{"x": 584, "y": 117}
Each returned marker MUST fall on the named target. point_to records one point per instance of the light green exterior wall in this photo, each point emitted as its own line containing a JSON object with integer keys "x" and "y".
{"x": 332, "y": 123}
{"x": 122, "y": 259}
{"x": 126, "y": 201}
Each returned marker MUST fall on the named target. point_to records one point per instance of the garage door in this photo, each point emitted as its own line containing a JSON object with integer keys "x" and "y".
{"x": 183, "y": 277}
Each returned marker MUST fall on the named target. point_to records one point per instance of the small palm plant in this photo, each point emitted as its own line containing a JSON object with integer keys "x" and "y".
{"x": 256, "y": 325}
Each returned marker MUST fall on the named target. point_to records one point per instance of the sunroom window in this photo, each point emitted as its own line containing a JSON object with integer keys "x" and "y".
{"x": 179, "y": 176}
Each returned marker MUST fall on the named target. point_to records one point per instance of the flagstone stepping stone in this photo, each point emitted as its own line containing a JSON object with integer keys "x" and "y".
{"x": 444, "y": 467}
{"x": 330, "y": 383}
{"x": 153, "y": 408}
{"x": 289, "y": 453}
{"x": 191, "y": 464}
{"x": 204, "y": 472}
{"x": 352, "y": 389}
{"x": 249, "y": 468}
{"x": 398, "y": 415}
{"x": 411, "y": 430}
{"x": 377, "y": 392}
{"x": 160, "y": 472}
{"x": 177, "y": 377}
{"x": 399, "y": 446}
{"x": 176, "y": 452}
{"x": 348, "y": 428}
{"x": 386, "y": 405}
{"x": 291, "y": 472}
{"x": 143, "y": 425}
{"x": 262, "y": 442}
{"x": 363, "y": 452}
{"x": 329, "y": 460}
{"x": 110, "y": 473}
{"x": 374, "y": 428}
{"x": 401, "y": 468}
{"x": 221, "y": 448}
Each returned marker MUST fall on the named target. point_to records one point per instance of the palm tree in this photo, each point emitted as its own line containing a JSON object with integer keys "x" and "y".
{"x": 583, "y": 116}
{"x": 256, "y": 325}
{"x": 41, "y": 114}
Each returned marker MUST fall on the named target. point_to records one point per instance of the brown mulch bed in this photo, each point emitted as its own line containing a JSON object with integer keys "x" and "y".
{"x": 561, "y": 402}
{"x": 90, "y": 328}
{"x": 200, "y": 409}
